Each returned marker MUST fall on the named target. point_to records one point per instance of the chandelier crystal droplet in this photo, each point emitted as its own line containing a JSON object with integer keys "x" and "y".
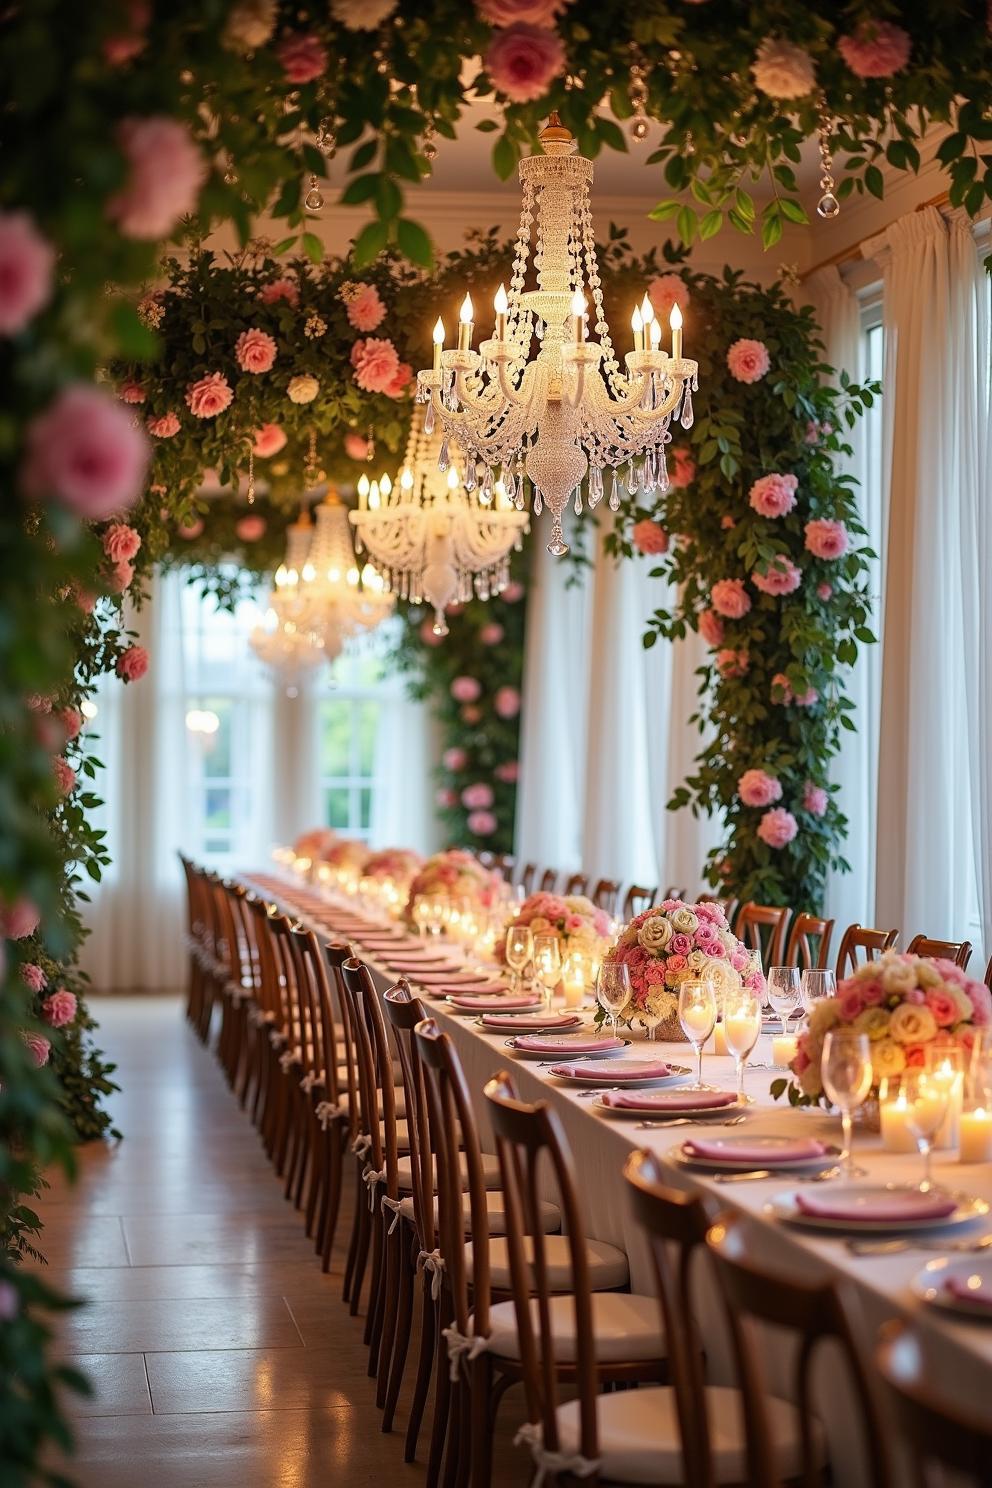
{"x": 539, "y": 394}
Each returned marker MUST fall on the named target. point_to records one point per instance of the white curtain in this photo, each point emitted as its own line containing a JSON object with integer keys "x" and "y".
{"x": 935, "y": 409}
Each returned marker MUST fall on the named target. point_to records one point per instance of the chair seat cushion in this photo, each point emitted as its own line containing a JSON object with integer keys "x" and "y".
{"x": 625, "y": 1327}
{"x": 639, "y": 1440}
{"x": 608, "y": 1267}
{"x": 495, "y": 1213}
{"x": 490, "y": 1172}
{"x": 399, "y": 1096}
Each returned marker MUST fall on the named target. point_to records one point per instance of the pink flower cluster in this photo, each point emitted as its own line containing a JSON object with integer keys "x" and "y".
{"x": 454, "y": 759}
{"x": 491, "y": 634}
{"x": 286, "y": 290}
{"x": 826, "y": 538}
{"x": 730, "y": 598}
{"x": 669, "y": 943}
{"x": 121, "y": 543}
{"x": 574, "y": 919}
{"x": 33, "y": 977}
{"x": 730, "y": 663}
{"x": 59, "y": 1008}
{"x": 649, "y": 537}
{"x": 523, "y": 60}
{"x": 165, "y": 172}
{"x": 85, "y": 451}
{"x": 166, "y": 426}
{"x": 711, "y": 628}
{"x": 814, "y": 799}
{"x": 773, "y": 495}
{"x": 269, "y": 440}
{"x": 778, "y": 827}
{"x": 132, "y": 664}
{"x": 748, "y": 360}
{"x": 758, "y": 788}
{"x": 19, "y": 920}
{"x": 65, "y": 776}
{"x": 255, "y": 351}
{"x": 466, "y": 689}
{"x": 877, "y": 49}
{"x": 478, "y": 797}
{"x": 681, "y": 467}
{"x": 209, "y": 396}
{"x": 481, "y": 823}
{"x": 365, "y": 309}
{"x": 668, "y": 290}
{"x": 303, "y": 57}
{"x": 508, "y": 772}
{"x": 250, "y": 529}
{"x": 378, "y": 368}
{"x": 506, "y": 702}
{"x": 456, "y": 874}
{"x": 782, "y": 577}
{"x": 782, "y": 693}
{"x": 27, "y": 265}
{"x": 355, "y": 447}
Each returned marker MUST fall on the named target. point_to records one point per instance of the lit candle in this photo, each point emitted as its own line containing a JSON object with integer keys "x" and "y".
{"x": 896, "y": 1135}
{"x": 741, "y": 1030}
{"x": 406, "y": 479}
{"x": 385, "y": 486}
{"x": 438, "y": 342}
{"x": 953, "y": 1080}
{"x": 697, "y": 1019}
{"x": 975, "y": 1136}
{"x": 363, "y": 491}
{"x": 655, "y": 333}
{"x": 578, "y": 317}
{"x": 637, "y": 326}
{"x": 575, "y": 992}
{"x": 374, "y": 496}
{"x": 501, "y": 305}
{"x": 465, "y": 324}
{"x": 675, "y": 321}
{"x": 647, "y": 312}
{"x": 719, "y": 1039}
{"x": 784, "y": 1047}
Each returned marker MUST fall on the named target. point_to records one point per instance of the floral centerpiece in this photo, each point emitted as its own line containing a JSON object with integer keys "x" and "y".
{"x": 454, "y": 874}
{"x": 346, "y": 858}
{"x": 671, "y": 943}
{"x": 398, "y": 863}
{"x": 902, "y": 1003}
{"x": 577, "y": 922}
{"x": 315, "y": 843}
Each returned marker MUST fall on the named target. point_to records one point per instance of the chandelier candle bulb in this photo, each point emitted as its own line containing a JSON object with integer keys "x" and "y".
{"x": 363, "y": 493}
{"x": 502, "y": 306}
{"x": 655, "y": 333}
{"x": 637, "y": 326}
{"x": 578, "y": 317}
{"x": 438, "y": 343}
{"x": 465, "y": 326}
{"x": 675, "y": 321}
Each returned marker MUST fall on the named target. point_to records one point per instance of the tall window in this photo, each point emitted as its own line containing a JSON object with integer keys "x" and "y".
{"x": 354, "y": 702}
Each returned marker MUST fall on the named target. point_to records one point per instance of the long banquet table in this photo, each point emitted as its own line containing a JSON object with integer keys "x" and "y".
{"x": 960, "y": 1351}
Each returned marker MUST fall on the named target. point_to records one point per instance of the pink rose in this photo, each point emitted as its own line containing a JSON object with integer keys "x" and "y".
{"x": 72, "y": 721}
{"x": 730, "y": 598}
{"x": 269, "y": 440}
{"x": 165, "y": 172}
{"x": 400, "y": 381}
{"x": 165, "y": 427}
{"x": 84, "y": 450}
{"x": 120, "y": 576}
{"x": 850, "y": 1001}
{"x": 130, "y": 42}
{"x": 365, "y": 309}
{"x": 250, "y": 528}
{"x": 801, "y": 1062}
{"x": 491, "y": 634}
{"x": 777, "y": 827}
{"x": 454, "y": 759}
{"x": 191, "y": 530}
{"x": 649, "y": 537}
{"x": 824, "y": 591}
{"x": 210, "y": 396}
{"x": 59, "y": 1008}
{"x": 506, "y": 702}
{"x": 303, "y": 57}
{"x": 731, "y": 663}
{"x": 132, "y": 664}
{"x": 466, "y": 689}
{"x": 355, "y": 447}
{"x": 826, "y": 539}
{"x": 65, "y": 775}
{"x": 727, "y": 522}
{"x": 664, "y": 292}
{"x": 876, "y": 50}
{"x": 446, "y": 798}
{"x": 748, "y": 361}
{"x": 508, "y": 12}
{"x": 280, "y": 289}
{"x": 680, "y": 944}
{"x": 131, "y": 392}
{"x": 783, "y": 577}
{"x": 482, "y": 823}
{"x": 19, "y": 920}
{"x": 85, "y": 600}
{"x": 376, "y": 365}
{"x": 255, "y": 351}
{"x": 27, "y": 262}
{"x": 681, "y": 467}
{"x": 513, "y": 593}
{"x": 478, "y": 797}
{"x": 758, "y": 788}
{"x": 39, "y": 1047}
{"x": 711, "y": 628}
{"x": 773, "y": 495}
{"x": 508, "y": 772}
{"x": 676, "y": 961}
{"x": 943, "y": 1007}
{"x": 522, "y": 61}
{"x": 781, "y": 689}
{"x": 121, "y": 542}
{"x": 33, "y": 977}
{"x": 738, "y": 958}
{"x": 814, "y": 799}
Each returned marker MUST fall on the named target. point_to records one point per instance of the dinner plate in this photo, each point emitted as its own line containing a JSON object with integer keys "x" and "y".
{"x": 521, "y": 1020}
{"x": 933, "y": 1284}
{"x": 563, "y": 1041}
{"x": 659, "y": 1113}
{"x": 761, "y": 1154}
{"x": 785, "y": 1206}
{"x": 619, "y": 1072}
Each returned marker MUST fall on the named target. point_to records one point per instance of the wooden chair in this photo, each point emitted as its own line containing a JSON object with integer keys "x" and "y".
{"x": 527, "y": 877}
{"x": 503, "y": 864}
{"x": 988, "y": 975}
{"x": 936, "y": 1431}
{"x": 958, "y": 951}
{"x": 800, "y": 950}
{"x": 762, "y": 928}
{"x": 815, "y": 1310}
{"x": 606, "y": 895}
{"x": 637, "y": 900}
{"x": 675, "y": 893}
{"x": 577, "y": 883}
{"x": 856, "y": 938}
{"x": 548, "y": 880}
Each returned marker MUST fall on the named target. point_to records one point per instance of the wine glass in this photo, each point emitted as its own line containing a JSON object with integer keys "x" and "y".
{"x": 519, "y": 950}
{"x": 697, "y": 1014}
{"x": 845, "y": 1069}
{"x": 741, "y": 1027}
{"x": 927, "y": 1099}
{"x": 783, "y": 992}
{"x": 613, "y": 990}
{"x": 547, "y": 964}
{"x": 421, "y": 914}
{"x": 816, "y": 982}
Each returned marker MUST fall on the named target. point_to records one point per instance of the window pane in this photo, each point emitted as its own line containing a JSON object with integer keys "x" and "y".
{"x": 365, "y": 820}
{"x": 335, "y": 738}
{"x": 336, "y": 807}
{"x": 217, "y": 747}
{"x": 367, "y": 725}
{"x": 217, "y": 808}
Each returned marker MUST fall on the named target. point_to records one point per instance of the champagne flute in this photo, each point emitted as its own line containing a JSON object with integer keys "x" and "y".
{"x": 816, "y": 982}
{"x": 783, "y": 992}
{"x": 697, "y": 1015}
{"x": 741, "y": 1027}
{"x": 613, "y": 990}
{"x": 421, "y": 914}
{"x": 927, "y": 1099}
{"x": 519, "y": 950}
{"x": 547, "y": 964}
{"x": 845, "y": 1069}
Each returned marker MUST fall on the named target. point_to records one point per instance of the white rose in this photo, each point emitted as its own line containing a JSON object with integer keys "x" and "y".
{"x": 303, "y": 388}
{"x": 655, "y": 934}
{"x": 249, "y": 25}
{"x": 686, "y": 921}
{"x": 697, "y": 960}
{"x": 362, "y": 15}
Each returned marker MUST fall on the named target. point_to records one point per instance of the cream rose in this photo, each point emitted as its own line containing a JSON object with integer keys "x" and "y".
{"x": 697, "y": 959}
{"x": 912, "y": 1025}
{"x": 686, "y": 921}
{"x": 898, "y": 976}
{"x": 303, "y": 388}
{"x": 927, "y": 974}
{"x": 960, "y": 998}
{"x": 539, "y": 923}
{"x": 887, "y": 1058}
{"x": 874, "y": 1021}
{"x": 655, "y": 934}
{"x": 825, "y": 1014}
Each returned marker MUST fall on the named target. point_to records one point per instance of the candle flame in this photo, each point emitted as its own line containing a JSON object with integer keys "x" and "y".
{"x": 500, "y": 302}
{"x": 466, "y": 312}
{"x": 385, "y": 485}
{"x": 578, "y": 303}
{"x": 647, "y": 310}
{"x": 636, "y": 321}
{"x": 439, "y": 332}
{"x": 675, "y": 319}
{"x": 363, "y": 484}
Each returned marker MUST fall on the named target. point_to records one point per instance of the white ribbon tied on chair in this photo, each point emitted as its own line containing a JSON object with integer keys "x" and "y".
{"x": 309, "y": 1081}
{"x": 462, "y": 1346}
{"x": 277, "y": 1037}
{"x": 433, "y": 1261}
{"x": 288, "y": 1058}
{"x": 532, "y": 1436}
{"x": 371, "y": 1176}
{"x": 362, "y": 1146}
{"x": 235, "y": 992}
{"x": 325, "y": 1112}
{"x": 393, "y": 1205}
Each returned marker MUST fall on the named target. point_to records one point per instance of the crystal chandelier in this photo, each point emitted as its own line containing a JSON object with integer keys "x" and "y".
{"x": 568, "y": 411}
{"x": 432, "y": 538}
{"x": 283, "y": 640}
{"x": 338, "y": 601}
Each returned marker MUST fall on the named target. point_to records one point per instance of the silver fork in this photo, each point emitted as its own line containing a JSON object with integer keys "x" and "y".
{"x": 688, "y": 1121}
{"x": 756, "y": 1174}
{"x": 897, "y": 1245}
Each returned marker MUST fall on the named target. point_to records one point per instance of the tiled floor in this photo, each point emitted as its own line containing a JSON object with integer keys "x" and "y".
{"x": 219, "y": 1355}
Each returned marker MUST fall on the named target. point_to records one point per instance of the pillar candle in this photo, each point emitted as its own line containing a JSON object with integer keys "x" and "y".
{"x": 896, "y": 1135}
{"x": 975, "y": 1133}
{"x": 783, "y": 1049}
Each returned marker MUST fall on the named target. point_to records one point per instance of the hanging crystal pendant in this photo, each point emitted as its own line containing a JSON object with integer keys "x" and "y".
{"x": 615, "y": 493}
{"x": 470, "y": 481}
{"x": 538, "y": 503}
{"x": 429, "y": 419}
{"x": 577, "y": 505}
{"x": 486, "y": 494}
{"x": 595, "y": 486}
{"x": 442, "y": 458}
{"x": 632, "y": 480}
{"x": 687, "y": 417}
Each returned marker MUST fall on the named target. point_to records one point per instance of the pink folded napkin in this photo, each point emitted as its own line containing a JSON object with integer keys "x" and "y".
{"x": 471, "y": 979}
{"x": 610, "y": 1070}
{"x": 670, "y": 1100}
{"x": 960, "y": 1287}
{"x": 534, "y": 1044}
{"x": 487, "y": 1001}
{"x": 418, "y": 963}
{"x": 893, "y": 1207}
{"x": 761, "y": 1154}
{"x": 520, "y": 1022}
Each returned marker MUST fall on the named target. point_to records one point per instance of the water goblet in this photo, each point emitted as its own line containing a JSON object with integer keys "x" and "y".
{"x": 697, "y": 1015}
{"x": 816, "y": 982}
{"x": 613, "y": 990}
{"x": 519, "y": 950}
{"x": 547, "y": 964}
{"x": 741, "y": 1027}
{"x": 845, "y": 1069}
{"x": 927, "y": 1099}
{"x": 783, "y": 992}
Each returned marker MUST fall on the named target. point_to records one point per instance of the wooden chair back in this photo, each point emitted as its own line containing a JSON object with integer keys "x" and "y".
{"x": 267, "y": 991}
{"x": 503, "y": 864}
{"x": 606, "y": 895}
{"x": 958, "y": 951}
{"x": 815, "y": 1311}
{"x": 526, "y": 1136}
{"x": 320, "y": 1059}
{"x": 871, "y": 943}
{"x": 675, "y": 893}
{"x": 376, "y": 1065}
{"x": 403, "y": 1013}
{"x": 637, "y": 900}
{"x": 988, "y": 975}
{"x": 336, "y": 953}
{"x": 577, "y": 883}
{"x": 801, "y": 950}
{"x": 676, "y": 1224}
{"x": 548, "y": 880}
{"x": 936, "y": 1431}
{"x": 527, "y": 877}
{"x": 762, "y": 928}
{"x": 287, "y": 1020}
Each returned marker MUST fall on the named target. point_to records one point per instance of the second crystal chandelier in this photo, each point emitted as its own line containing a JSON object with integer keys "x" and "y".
{"x": 568, "y": 412}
